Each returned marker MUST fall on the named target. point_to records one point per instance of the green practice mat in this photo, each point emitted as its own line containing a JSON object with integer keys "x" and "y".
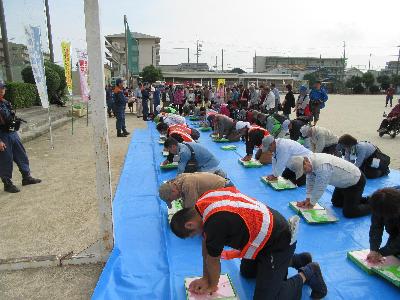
{"x": 205, "y": 129}
{"x": 280, "y": 184}
{"x": 173, "y": 165}
{"x": 388, "y": 269}
{"x": 317, "y": 215}
{"x": 223, "y": 140}
{"x": 177, "y": 205}
{"x": 225, "y": 291}
{"x": 229, "y": 147}
{"x": 251, "y": 163}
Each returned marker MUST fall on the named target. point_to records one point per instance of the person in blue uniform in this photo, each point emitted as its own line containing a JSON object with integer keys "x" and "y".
{"x": 318, "y": 97}
{"x": 11, "y": 148}
{"x": 120, "y": 105}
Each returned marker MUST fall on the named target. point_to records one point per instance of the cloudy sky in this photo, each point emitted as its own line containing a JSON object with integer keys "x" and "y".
{"x": 241, "y": 28}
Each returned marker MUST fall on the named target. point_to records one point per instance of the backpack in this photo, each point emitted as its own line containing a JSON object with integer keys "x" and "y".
{"x": 191, "y": 165}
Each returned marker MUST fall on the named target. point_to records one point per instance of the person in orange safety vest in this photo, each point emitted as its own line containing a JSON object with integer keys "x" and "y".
{"x": 259, "y": 235}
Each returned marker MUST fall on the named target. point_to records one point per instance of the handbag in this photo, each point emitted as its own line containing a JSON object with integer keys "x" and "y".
{"x": 191, "y": 165}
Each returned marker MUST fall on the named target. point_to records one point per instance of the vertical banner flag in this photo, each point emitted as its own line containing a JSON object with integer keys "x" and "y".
{"x": 36, "y": 58}
{"x": 66, "y": 53}
{"x": 83, "y": 74}
{"x": 133, "y": 52}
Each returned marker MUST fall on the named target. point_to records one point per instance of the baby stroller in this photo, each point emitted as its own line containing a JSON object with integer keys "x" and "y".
{"x": 390, "y": 127}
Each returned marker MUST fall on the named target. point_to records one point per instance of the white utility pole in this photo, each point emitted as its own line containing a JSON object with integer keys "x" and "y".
{"x": 95, "y": 49}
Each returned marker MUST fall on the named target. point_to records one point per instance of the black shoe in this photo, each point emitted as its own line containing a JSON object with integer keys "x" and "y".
{"x": 9, "y": 186}
{"x": 314, "y": 279}
{"x": 126, "y": 132}
{"x": 301, "y": 260}
{"x": 30, "y": 180}
{"x": 121, "y": 135}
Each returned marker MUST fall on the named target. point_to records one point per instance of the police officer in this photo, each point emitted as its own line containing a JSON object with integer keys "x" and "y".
{"x": 11, "y": 148}
{"x": 120, "y": 105}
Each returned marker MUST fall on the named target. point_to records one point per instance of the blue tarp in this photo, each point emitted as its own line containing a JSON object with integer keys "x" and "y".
{"x": 149, "y": 262}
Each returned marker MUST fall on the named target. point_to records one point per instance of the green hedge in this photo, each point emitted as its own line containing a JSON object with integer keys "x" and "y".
{"x": 22, "y": 94}
{"x": 55, "y": 80}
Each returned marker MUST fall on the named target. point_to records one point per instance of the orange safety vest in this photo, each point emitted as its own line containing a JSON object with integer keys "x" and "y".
{"x": 185, "y": 136}
{"x": 256, "y": 127}
{"x": 181, "y": 127}
{"x": 256, "y": 215}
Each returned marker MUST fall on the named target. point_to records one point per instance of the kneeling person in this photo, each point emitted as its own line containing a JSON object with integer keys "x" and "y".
{"x": 253, "y": 137}
{"x": 193, "y": 157}
{"x": 385, "y": 206}
{"x": 282, "y": 151}
{"x": 190, "y": 186}
{"x": 260, "y": 236}
{"x": 324, "y": 169}
{"x": 363, "y": 155}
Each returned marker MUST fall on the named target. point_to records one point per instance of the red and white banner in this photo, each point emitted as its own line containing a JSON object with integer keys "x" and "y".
{"x": 83, "y": 75}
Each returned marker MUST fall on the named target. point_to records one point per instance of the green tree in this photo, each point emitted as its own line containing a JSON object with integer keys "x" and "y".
{"x": 353, "y": 82}
{"x": 374, "y": 89}
{"x": 151, "y": 74}
{"x": 395, "y": 80}
{"x": 384, "y": 81}
{"x": 368, "y": 79}
{"x": 61, "y": 73}
{"x": 359, "y": 89}
{"x": 237, "y": 70}
{"x": 311, "y": 77}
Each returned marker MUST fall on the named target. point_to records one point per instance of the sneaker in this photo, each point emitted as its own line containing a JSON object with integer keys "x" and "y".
{"x": 314, "y": 279}
{"x": 30, "y": 180}
{"x": 126, "y": 133}
{"x": 301, "y": 260}
{"x": 121, "y": 135}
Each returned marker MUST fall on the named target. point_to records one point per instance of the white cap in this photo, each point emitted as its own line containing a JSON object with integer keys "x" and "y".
{"x": 285, "y": 126}
{"x": 304, "y": 130}
{"x": 240, "y": 125}
{"x": 296, "y": 165}
{"x": 158, "y": 108}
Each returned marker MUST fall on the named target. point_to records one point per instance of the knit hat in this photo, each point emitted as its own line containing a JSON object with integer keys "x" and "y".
{"x": 240, "y": 125}
{"x": 285, "y": 126}
{"x": 266, "y": 142}
{"x": 304, "y": 130}
{"x": 295, "y": 164}
{"x": 2, "y": 85}
{"x": 165, "y": 191}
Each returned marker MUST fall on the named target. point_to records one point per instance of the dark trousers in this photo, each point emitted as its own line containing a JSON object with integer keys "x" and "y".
{"x": 180, "y": 108}
{"x": 351, "y": 199}
{"x": 389, "y": 99}
{"x": 145, "y": 104}
{"x": 120, "y": 122}
{"x": 14, "y": 151}
{"x": 270, "y": 272}
{"x": 315, "y": 111}
{"x": 156, "y": 103}
{"x": 290, "y": 175}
